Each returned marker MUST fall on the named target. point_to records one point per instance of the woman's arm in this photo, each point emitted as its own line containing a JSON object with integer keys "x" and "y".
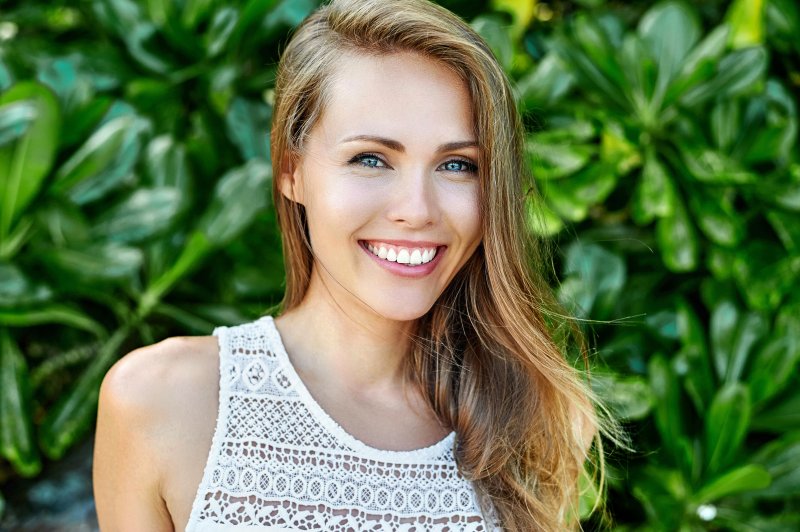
{"x": 126, "y": 459}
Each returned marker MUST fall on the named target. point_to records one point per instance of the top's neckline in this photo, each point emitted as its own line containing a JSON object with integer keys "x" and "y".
{"x": 433, "y": 452}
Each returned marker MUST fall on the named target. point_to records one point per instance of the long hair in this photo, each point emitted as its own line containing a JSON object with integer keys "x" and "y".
{"x": 485, "y": 357}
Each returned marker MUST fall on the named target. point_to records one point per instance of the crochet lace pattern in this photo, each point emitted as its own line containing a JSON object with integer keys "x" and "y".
{"x": 279, "y": 462}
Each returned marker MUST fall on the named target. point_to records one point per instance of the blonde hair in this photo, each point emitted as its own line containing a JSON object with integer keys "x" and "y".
{"x": 485, "y": 357}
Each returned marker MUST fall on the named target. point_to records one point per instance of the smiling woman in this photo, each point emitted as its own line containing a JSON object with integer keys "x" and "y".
{"x": 411, "y": 381}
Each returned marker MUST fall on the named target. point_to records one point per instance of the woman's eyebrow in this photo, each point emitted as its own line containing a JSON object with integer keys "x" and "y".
{"x": 397, "y": 146}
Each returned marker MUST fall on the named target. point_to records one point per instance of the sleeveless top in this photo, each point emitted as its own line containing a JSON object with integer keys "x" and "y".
{"x": 279, "y": 462}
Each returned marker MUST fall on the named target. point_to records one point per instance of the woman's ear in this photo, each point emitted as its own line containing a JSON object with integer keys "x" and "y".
{"x": 290, "y": 181}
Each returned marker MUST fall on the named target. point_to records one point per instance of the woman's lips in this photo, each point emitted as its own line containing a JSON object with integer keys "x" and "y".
{"x": 409, "y": 259}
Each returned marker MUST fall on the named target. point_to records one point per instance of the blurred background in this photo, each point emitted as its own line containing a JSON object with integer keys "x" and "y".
{"x": 134, "y": 205}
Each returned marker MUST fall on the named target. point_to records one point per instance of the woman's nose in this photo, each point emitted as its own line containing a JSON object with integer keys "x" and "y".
{"x": 413, "y": 200}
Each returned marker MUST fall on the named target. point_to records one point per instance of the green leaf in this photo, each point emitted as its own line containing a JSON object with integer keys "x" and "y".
{"x": 670, "y": 30}
{"x": 627, "y": 397}
{"x": 496, "y": 34}
{"x": 222, "y": 26}
{"x": 552, "y": 161}
{"x": 781, "y": 458}
{"x": 92, "y": 264}
{"x": 669, "y": 412}
{"x": 239, "y": 196}
{"x": 545, "y": 85}
{"x": 572, "y": 196}
{"x": 774, "y": 364}
{"x": 25, "y": 162}
{"x": 733, "y": 336}
{"x": 737, "y": 73}
{"x": 764, "y": 274}
{"x": 50, "y": 313}
{"x": 746, "y": 19}
{"x": 709, "y": 166}
{"x": 726, "y": 426}
{"x": 540, "y": 218}
{"x": 717, "y": 218}
{"x": 248, "y": 128}
{"x": 103, "y": 162}
{"x": 74, "y": 413}
{"x": 692, "y": 361}
{"x": 17, "y": 444}
{"x": 677, "y": 240}
{"x": 779, "y": 418}
{"x": 699, "y": 66}
{"x": 15, "y": 119}
{"x": 743, "y": 478}
{"x": 655, "y": 195}
{"x": 16, "y": 290}
{"x": 594, "y": 278}
{"x": 143, "y": 214}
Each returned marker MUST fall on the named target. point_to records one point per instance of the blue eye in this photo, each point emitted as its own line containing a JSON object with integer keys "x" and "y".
{"x": 459, "y": 165}
{"x": 370, "y": 161}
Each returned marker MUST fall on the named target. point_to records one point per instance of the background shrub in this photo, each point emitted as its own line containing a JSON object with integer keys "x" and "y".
{"x": 134, "y": 170}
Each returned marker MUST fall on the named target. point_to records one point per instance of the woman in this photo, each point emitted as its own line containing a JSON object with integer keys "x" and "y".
{"x": 412, "y": 381}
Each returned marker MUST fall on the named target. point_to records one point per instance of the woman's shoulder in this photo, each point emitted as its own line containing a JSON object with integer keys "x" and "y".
{"x": 152, "y": 379}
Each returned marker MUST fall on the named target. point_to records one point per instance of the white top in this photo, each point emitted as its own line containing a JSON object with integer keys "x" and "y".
{"x": 279, "y": 462}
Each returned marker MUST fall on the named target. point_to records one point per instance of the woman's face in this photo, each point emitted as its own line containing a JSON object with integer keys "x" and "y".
{"x": 388, "y": 177}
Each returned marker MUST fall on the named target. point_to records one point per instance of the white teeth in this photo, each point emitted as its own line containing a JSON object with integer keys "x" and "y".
{"x": 412, "y": 257}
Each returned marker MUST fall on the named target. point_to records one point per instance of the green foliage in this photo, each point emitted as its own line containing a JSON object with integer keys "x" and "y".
{"x": 134, "y": 204}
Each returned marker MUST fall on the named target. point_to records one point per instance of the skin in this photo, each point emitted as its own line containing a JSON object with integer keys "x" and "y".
{"x": 347, "y": 338}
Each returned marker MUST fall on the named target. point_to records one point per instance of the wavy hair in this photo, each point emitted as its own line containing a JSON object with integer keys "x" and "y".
{"x": 485, "y": 356}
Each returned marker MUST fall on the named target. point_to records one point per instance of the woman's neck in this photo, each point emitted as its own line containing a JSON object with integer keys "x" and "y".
{"x": 339, "y": 338}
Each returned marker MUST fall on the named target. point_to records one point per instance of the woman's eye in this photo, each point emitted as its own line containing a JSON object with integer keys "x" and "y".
{"x": 457, "y": 165}
{"x": 370, "y": 161}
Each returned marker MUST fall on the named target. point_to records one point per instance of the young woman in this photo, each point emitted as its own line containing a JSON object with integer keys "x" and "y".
{"x": 412, "y": 380}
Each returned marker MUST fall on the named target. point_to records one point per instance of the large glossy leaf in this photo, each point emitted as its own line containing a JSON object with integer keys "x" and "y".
{"x": 17, "y": 290}
{"x": 25, "y": 162}
{"x": 69, "y": 419}
{"x": 15, "y": 119}
{"x": 743, "y": 478}
{"x": 670, "y": 30}
{"x": 496, "y": 34}
{"x": 546, "y": 84}
{"x": 103, "y": 162}
{"x": 765, "y": 274}
{"x": 781, "y": 459}
{"x": 717, "y": 218}
{"x": 50, "y": 313}
{"x": 572, "y": 197}
{"x": 655, "y": 194}
{"x": 628, "y": 397}
{"x": 248, "y": 127}
{"x": 238, "y": 197}
{"x": 92, "y": 264}
{"x": 779, "y": 417}
{"x": 146, "y": 212}
{"x": 774, "y": 364}
{"x": 746, "y": 19}
{"x": 594, "y": 279}
{"x": 677, "y": 240}
{"x": 737, "y": 74}
{"x": 726, "y": 426}
{"x": 668, "y": 411}
{"x": 17, "y": 444}
{"x": 733, "y": 335}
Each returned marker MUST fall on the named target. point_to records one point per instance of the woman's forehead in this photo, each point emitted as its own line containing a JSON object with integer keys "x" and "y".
{"x": 403, "y": 96}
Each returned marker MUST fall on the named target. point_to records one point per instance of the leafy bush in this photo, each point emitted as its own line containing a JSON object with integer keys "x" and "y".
{"x": 133, "y": 205}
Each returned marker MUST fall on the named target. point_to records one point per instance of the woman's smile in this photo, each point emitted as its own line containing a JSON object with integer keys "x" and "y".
{"x": 406, "y": 259}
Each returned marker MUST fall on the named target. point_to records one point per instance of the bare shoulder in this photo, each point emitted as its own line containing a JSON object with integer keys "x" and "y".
{"x": 151, "y": 378}
{"x": 148, "y": 402}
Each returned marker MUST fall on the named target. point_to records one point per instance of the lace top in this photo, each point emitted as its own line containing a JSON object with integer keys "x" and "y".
{"x": 279, "y": 462}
